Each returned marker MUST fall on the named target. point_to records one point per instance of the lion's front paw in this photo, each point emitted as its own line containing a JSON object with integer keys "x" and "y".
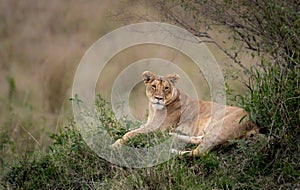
{"x": 117, "y": 144}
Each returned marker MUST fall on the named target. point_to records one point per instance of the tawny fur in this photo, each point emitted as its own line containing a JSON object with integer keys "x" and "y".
{"x": 199, "y": 122}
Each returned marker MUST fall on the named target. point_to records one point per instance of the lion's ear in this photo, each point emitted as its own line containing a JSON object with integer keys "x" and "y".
{"x": 148, "y": 76}
{"x": 173, "y": 78}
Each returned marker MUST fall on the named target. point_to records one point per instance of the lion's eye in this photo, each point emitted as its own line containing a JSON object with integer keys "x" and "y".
{"x": 154, "y": 86}
{"x": 166, "y": 88}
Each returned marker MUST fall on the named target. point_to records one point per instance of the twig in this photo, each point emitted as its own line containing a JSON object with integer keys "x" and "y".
{"x": 37, "y": 142}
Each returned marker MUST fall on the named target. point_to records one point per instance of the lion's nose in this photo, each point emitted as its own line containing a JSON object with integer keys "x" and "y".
{"x": 158, "y": 98}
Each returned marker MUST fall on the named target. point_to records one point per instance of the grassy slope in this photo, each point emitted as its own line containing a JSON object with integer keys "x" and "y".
{"x": 70, "y": 163}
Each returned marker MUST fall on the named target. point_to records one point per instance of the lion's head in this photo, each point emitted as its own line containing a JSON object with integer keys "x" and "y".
{"x": 160, "y": 91}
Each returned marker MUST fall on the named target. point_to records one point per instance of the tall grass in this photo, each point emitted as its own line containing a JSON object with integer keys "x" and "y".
{"x": 70, "y": 164}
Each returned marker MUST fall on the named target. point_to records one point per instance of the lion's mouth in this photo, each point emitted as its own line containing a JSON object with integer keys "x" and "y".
{"x": 160, "y": 102}
{"x": 158, "y": 105}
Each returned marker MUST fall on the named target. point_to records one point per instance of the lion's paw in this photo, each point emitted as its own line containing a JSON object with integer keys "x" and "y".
{"x": 117, "y": 144}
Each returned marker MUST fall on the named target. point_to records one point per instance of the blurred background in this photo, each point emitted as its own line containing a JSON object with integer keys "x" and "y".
{"x": 41, "y": 44}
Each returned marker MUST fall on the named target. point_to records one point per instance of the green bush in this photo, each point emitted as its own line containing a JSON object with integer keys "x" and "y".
{"x": 274, "y": 103}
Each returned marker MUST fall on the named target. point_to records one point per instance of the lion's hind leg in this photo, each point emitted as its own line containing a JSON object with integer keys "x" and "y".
{"x": 185, "y": 139}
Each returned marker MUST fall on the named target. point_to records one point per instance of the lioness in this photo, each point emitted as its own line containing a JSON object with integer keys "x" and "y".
{"x": 192, "y": 121}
